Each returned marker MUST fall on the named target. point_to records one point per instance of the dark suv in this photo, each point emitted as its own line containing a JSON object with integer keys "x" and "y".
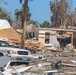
{"x": 4, "y": 44}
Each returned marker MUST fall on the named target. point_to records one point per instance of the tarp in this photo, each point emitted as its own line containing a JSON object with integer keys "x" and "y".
{"x": 4, "y": 24}
{"x": 54, "y": 41}
{"x": 6, "y": 31}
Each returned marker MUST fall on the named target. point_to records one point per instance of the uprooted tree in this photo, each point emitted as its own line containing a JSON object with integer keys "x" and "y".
{"x": 72, "y": 19}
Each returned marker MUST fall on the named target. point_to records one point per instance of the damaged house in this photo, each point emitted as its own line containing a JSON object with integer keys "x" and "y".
{"x": 57, "y": 37}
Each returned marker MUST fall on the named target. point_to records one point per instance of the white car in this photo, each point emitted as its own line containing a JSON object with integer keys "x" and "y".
{"x": 14, "y": 67}
{"x": 53, "y": 72}
{"x": 48, "y": 72}
{"x": 16, "y": 53}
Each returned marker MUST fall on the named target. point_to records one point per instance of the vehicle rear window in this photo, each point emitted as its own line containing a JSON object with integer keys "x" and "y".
{"x": 22, "y": 52}
{"x": 18, "y": 63}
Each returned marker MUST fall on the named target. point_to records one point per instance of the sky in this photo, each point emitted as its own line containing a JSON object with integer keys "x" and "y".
{"x": 40, "y": 9}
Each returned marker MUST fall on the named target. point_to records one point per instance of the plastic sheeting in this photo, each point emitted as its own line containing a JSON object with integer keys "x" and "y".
{"x": 4, "y": 24}
{"x": 54, "y": 41}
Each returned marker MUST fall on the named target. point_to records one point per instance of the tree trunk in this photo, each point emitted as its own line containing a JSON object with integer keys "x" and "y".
{"x": 25, "y": 10}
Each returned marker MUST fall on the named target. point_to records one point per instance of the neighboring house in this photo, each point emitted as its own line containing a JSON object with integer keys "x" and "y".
{"x": 16, "y": 53}
{"x": 31, "y": 30}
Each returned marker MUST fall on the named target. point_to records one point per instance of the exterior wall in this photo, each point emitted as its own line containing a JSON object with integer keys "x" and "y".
{"x": 74, "y": 39}
{"x": 41, "y": 36}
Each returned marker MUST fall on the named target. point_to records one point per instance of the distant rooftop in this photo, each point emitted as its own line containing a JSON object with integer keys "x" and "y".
{"x": 58, "y": 29}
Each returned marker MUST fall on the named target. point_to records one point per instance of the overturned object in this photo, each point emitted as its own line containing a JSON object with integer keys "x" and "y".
{"x": 57, "y": 64}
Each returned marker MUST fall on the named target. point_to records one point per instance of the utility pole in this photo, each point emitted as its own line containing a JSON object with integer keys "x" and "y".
{"x": 24, "y": 16}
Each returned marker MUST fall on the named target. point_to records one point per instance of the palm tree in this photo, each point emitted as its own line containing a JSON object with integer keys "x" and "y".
{"x": 18, "y": 16}
{"x": 1, "y": 12}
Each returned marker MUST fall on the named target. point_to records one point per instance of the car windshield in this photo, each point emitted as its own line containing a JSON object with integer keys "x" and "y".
{"x": 51, "y": 73}
{"x": 22, "y": 52}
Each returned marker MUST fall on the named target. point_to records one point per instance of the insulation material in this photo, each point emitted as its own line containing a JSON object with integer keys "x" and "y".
{"x": 4, "y": 24}
{"x": 6, "y": 31}
{"x": 34, "y": 45}
{"x": 9, "y": 33}
{"x": 54, "y": 41}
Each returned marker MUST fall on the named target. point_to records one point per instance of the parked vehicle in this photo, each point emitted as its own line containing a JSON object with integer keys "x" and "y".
{"x": 16, "y": 53}
{"x": 52, "y": 72}
{"x": 5, "y": 44}
{"x": 3, "y": 60}
{"x": 14, "y": 67}
{"x": 17, "y": 65}
{"x": 1, "y": 53}
{"x": 48, "y": 72}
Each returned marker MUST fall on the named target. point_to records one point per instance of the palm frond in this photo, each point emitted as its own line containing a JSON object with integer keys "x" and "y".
{"x": 21, "y": 1}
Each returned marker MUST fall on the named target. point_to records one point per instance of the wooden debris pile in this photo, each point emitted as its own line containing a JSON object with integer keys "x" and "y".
{"x": 34, "y": 45}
